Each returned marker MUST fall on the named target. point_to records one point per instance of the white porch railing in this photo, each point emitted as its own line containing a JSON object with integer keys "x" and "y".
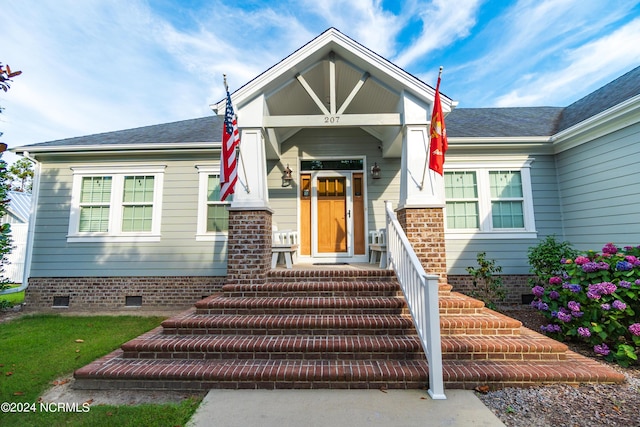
{"x": 421, "y": 292}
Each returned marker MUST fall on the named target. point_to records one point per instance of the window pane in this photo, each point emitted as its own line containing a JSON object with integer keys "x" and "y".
{"x": 94, "y": 219}
{"x": 96, "y": 189}
{"x": 213, "y": 188}
{"x": 505, "y": 184}
{"x": 460, "y": 185}
{"x": 217, "y": 218}
{"x": 507, "y": 215}
{"x": 462, "y": 215}
{"x": 138, "y": 189}
{"x": 217, "y": 214}
{"x": 137, "y": 218}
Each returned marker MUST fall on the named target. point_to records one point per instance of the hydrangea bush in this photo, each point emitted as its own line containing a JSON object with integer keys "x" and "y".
{"x": 596, "y": 298}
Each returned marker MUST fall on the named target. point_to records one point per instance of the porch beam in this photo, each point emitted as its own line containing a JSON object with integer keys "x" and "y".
{"x": 337, "y": 120}
{"x": 312, "y": 94}
{"x": 332, "y": 82}
{"x": 354, "y": 92}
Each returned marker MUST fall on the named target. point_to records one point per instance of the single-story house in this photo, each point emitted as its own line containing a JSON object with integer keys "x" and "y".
{"x": 133, "y": 217}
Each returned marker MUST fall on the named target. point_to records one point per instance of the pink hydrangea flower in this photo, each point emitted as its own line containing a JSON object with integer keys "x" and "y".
{"x": 582, "y": 260}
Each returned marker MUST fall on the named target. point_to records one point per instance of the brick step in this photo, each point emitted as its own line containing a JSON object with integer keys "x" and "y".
{"x": 457, "y": 303}
{"x": 444, "y": 289}
{"x": 331, "y": 275}
{"x": 113, "y": 372}
{"x": 575, "y": 370}
{"x": 488, "y": 322}
{"x": 191, "y": 323}
{"x": 314, "y": 289}
{"x": 529, "y": 345}
{"x": 301, "y": 305}
{"x": 155, "y": 345}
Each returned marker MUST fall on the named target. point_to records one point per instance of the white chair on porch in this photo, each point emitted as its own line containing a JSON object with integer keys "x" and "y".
{"x": 284, "y": 243}
{"x": 378, "y": 247}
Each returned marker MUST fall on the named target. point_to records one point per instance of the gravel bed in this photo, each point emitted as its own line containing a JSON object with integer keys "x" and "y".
{"x": 562, "y": 405}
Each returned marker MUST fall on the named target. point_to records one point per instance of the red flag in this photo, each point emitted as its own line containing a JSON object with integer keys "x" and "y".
{"x": 438, "y": 134}
{"x": 228, "y": 162}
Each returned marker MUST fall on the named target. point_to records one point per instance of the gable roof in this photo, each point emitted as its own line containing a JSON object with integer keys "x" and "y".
{"x": 202, "y": 130}
{"x": 461, "y": 122}
{"x": 358, "y": 55}
{"x": 621, "y": 89}
{"x": 503, "y": 122}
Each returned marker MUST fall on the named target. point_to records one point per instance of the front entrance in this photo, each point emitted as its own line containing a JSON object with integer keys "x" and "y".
{"x": 332, "y": 214}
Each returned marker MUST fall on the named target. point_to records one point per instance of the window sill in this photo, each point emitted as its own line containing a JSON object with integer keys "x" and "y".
{"x": 97, "y": 238}
{"x": 490, "y": 235}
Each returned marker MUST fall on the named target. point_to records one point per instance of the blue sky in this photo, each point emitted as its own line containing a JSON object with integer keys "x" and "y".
{"x": 96, "y": 66}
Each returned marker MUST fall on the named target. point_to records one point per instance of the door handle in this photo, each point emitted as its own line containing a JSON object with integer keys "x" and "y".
{"x": 349, "y": 213}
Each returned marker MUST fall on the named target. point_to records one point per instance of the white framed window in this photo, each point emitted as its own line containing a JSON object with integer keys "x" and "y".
{"x": 489, "y": 200}
{"x": 116, "y": 204}
{"x": 213, "y": 215}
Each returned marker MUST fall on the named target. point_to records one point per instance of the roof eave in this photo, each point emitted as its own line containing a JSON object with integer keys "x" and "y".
{"x": 602, "y": 123}
{"x": 34, "y": 149}
{"x": 529, "y": 144}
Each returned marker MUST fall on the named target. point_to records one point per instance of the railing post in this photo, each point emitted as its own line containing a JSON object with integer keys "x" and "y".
{"x": 436, "y": 383}
{"x": 388, "y": 207}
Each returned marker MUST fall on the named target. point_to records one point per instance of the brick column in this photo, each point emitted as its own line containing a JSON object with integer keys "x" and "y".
{"x": 424, "y": 228}
{"x": 249, "y": 246}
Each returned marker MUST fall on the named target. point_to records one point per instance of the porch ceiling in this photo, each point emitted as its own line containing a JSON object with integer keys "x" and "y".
{"x": 357, "y": 92}
{"x": 373, "y": 97}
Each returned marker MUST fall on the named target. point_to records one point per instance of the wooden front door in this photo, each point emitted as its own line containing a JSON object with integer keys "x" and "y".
{"x": 332, "y": 214}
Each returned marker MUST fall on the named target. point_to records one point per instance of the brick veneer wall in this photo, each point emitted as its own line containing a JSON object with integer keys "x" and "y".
{"x": 249, "y": 246}
{"x": 516, "y": 287}
{"x": 109, "y": 293}
{"x": 424, "y": 228}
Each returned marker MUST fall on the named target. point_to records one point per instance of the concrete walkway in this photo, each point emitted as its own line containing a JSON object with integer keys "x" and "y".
{"x": 335, "y": 408}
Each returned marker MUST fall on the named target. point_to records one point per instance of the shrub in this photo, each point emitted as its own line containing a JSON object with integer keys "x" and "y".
{"x": 545, "y": 259}
{"x": 595, "y": 298}
{"x": 486, "y": 286}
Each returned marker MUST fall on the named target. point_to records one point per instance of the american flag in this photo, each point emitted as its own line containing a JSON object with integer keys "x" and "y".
{"x": 228, "y": 163}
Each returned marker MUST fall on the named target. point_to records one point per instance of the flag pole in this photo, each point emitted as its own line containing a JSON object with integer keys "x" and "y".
{"x": 244, "y": 170}
{"x": 426, "y": 160}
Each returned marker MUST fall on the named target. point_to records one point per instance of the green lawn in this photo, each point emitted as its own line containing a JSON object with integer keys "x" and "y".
{"x": 35, "y": 350}
{"x": 17, "y": 298}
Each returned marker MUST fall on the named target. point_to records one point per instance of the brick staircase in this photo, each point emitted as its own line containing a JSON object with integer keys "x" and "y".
{"x": 333, "y": 329}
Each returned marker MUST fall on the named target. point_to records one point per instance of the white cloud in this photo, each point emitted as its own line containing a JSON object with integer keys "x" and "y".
{"x": 443, "y": 23}
{"x": 363, "y": 20}
{"x": 594, "y": 63}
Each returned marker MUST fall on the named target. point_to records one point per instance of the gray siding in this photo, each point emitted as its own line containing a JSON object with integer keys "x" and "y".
{"x": 511, "y": 254}
{"x": 600, "y": 192}
{"x": 176, "y": 254}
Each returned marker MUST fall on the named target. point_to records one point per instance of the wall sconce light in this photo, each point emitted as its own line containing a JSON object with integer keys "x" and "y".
{"x": 287, "y": 174}
{"x": 375, "y": 171}
{"x": 287, "y": 177}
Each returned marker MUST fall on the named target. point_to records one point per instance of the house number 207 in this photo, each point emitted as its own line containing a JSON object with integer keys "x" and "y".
{"x": 331, "y": 119}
